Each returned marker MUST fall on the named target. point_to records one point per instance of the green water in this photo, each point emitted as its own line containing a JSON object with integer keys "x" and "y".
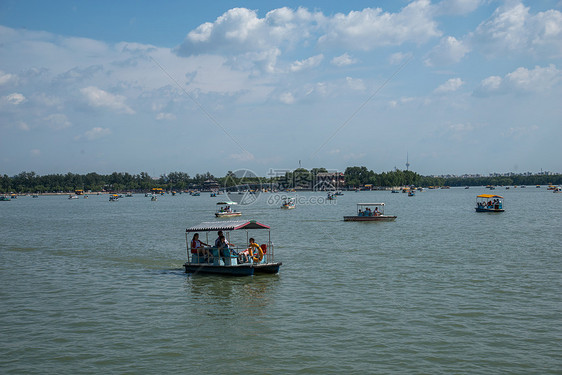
{"x": 92, "y": 286}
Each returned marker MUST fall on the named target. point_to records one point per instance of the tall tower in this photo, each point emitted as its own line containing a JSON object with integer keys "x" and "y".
{"x": 407, "y": 162}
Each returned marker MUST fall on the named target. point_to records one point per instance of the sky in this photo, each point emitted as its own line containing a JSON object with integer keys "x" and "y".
{"x": 451, "y": 86}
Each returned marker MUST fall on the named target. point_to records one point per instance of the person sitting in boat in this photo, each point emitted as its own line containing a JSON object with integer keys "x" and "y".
{"x": 368, "y": 212}
{"x": 223, "y": 246}
{"x": 218, "y": 240}
{"x": 360, "y": 213}
{"x": 376, "y": 212}
{"x": 198, "y": 247}
{"x": 244, "y": 256}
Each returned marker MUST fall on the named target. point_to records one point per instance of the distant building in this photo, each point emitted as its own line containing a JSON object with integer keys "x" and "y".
{"x": 211, "y": 185}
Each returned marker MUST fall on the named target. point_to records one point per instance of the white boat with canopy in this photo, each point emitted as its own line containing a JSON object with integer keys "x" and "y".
{"x": 370, "y": 212}
{"x": 225, "y": 209}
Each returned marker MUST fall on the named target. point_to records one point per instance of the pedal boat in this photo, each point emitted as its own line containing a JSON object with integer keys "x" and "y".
{"x": 489, "y": 203}
{"x": 366, "y": 213}
{"x": 261, "y": 261}
{"x": 226, "y": 211}
{"x": 288, "y": 204}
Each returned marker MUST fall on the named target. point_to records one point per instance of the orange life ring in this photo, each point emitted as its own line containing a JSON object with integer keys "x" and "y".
{"x": 256, "y": 257}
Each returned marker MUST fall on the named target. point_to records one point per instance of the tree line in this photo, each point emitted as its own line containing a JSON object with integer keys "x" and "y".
{"x": 355, "y": 177}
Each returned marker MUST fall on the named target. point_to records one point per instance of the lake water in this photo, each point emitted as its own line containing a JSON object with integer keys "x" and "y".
{"x": 92, "y": 286}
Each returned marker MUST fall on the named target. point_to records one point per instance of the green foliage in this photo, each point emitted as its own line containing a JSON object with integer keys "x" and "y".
{"x": 30, "y": 182}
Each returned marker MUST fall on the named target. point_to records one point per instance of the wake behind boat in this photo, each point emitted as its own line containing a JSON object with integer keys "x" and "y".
{"x": 370, "y": 212}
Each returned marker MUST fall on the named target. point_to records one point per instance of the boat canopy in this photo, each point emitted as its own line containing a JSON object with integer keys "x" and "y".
{"x": 370, "y": 204}
{"x": 212, "y": 226}
{"x": 227, "y": 203}
{"x": 489, "y": 196}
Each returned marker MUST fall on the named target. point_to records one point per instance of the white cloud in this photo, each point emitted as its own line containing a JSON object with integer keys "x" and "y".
{"x": 240, "y": 30}
{"x": 57, "y": 121}
{"x": 99, "y": 98}
{"x": 287, "y": 98}
{"x": 513, "y": 29}
{"x": 355, "y": 83}
{"x": 451, "y": 85}
{"x": 311, "y": 62}
{"x": 448, "y": 51}
{"x": 399, "y": 57}
{"x": 491, "y": 83}
{"x": 371, "y": 28}
{"x": 518, "y": 132}
{"x": 457, "y": 7}
{"x": 537, "y": 79}
{"x": 460, "y": 131}
{"x": 6, "y": 78}
{"x": 96, "y": 133}
{"x": 343, "y": 60}
{"x": 165, "y": 116}
{"x": 521, "y": 80}
{"x": 15, "y": 98}
{"x": 22, "y": 126}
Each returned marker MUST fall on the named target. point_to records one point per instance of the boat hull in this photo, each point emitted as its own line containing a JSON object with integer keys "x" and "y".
{"x": 267, "y": 268}
{"x": 478, "y": 209}
{"x": 236, "y": 270}
{"x": 228, "y": 214}
{"x": 369, "y": 218}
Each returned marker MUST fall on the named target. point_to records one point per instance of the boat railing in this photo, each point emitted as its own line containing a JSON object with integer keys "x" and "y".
{"x": 228, "y": 256}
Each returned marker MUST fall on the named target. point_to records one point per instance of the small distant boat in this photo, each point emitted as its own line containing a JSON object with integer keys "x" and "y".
{"x": 365, "y": 212}
{"x": 35, "y": 196}
{"x": 489, "y": 203}
{"x": 466, "y": 187}
{"x": 129, "y": 194}
{"x": 258, "y": 259}
{"x": 213, "y": 195}
{"x": 411, "y": 193}
{"x": 288, "y": 204}
{"x": 113, "y": 197}
{"x": 5, "y": 198}
{"x": 339, "y": 192}
{"x": 551, "y": 187}
{"x": 71, "y": 196}
{"x": 196, "y": 194}
{"x": 395, "y": 191}
{"x": 154, "y": 197}
{"x": 226, "y": 211}
{"x": 331, "y": 197}
{"x": 557, "y": 190}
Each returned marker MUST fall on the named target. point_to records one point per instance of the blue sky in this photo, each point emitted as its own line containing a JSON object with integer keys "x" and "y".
{"x": 460, "y": 86}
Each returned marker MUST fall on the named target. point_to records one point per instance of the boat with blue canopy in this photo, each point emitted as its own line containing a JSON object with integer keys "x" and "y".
{"x": 230, "y": 259}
